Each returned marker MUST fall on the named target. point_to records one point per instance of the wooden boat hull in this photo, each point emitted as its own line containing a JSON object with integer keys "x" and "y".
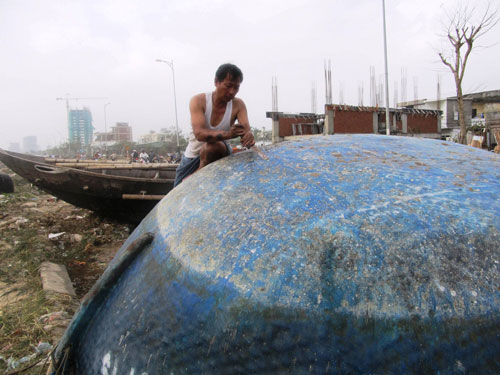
{"x": 99, "y": 191}
{"x": 338, "y": 255}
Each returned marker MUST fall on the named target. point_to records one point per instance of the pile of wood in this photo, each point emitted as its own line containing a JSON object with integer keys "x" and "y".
{"x": 107, "y": 164}
{"x": 84, "y": 161}
{"x": 91, "y": 165}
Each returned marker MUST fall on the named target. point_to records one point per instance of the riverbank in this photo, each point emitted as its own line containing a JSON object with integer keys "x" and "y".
{"x": 34, "y": 228}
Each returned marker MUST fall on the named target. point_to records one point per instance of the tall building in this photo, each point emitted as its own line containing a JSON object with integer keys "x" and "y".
{"x": 80, "y": 126}
{"x": 122, "y": 132}
{"x": 153, "y": 137}
{"x": 14, "y": 146}
{"x": 30, "y": 144}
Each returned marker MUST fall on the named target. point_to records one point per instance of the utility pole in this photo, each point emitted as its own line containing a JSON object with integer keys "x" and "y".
{"x": 171, "y": 66}
{"x": 387, "y": 121}
{"x": 106, "y": 129}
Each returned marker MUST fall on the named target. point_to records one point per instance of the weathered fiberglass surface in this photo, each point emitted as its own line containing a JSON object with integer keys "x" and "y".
{"x": 341, "y": 254}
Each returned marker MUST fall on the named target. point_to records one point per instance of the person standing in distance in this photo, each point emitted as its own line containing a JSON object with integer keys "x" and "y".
{"x": 213, "y": 117}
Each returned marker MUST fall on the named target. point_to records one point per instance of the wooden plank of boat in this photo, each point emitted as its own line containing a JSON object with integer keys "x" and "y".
{"x": 118, "y": 166}
{"x": 151, "y": 197}
{"x": 59, "y": 160}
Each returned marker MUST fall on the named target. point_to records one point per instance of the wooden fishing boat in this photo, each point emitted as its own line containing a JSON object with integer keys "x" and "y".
{"x": 126, "y": 192}
{"x": 357, "y": 254}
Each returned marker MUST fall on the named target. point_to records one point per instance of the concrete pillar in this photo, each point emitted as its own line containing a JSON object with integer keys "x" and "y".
{"x": 328, "y": 127}
{"x": 439, "y": 124}
{"x": 375, "y": 122}
{"x": 275, "y": 134}
{"x": 404, "y": 120}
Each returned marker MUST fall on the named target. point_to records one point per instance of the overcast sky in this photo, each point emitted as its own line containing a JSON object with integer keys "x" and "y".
{"x": 107, "y": 49}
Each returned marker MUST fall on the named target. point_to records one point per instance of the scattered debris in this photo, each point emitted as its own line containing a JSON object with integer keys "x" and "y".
{"x": 29, "y": 204}
{"x": 53, "y": 236}
{"x": 43, "y": 347}
{"x": 29, "y": 314}
{"x": 55, "y": 278}
{"x": 21, "y": 220}
{"x": 76, "y": 238}
{"x": 13, "y": 364}
{"x": 50, "y": 317}
{"x": 8, "y": 222}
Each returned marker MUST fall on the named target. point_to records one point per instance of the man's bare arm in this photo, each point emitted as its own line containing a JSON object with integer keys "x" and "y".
{"x": 247, "y": 139}
{"x": 200, "y": 129}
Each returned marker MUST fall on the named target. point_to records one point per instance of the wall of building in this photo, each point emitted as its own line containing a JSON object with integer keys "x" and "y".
{"x": 80, "y": 126}
{"x": 421, "y": 123}
{"x": 492, "y": 116}
{"x": 286, "y": 128}
{"x": 344, "y": 119}
{"x": 122, "y": 132}
{"x": 155, "y": 137}
{"x": 439, "y": 105}
{"x": 396, "y": 119}
{"x": 16, "y": 147}
{"x": 452, "y": 112}
{"x": 30, "y": 144}
{"x": 479, "y": 108}
{"x": 353, "y": 122}
{"x": 351, "y": 119}
{"x": 491, "y": 108}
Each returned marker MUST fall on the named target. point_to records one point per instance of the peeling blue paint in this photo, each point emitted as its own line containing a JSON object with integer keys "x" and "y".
{"x": 341, "y": 254}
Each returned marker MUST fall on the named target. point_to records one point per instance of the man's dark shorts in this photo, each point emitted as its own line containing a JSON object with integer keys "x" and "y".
{"x": 188, "y": 166}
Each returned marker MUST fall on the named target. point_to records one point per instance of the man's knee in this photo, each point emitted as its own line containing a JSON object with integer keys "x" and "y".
{"x": 211, "y": 152}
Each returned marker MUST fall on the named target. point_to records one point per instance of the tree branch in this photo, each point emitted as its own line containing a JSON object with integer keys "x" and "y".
{"x": 461, "y": 31}
{"x": 445, "y": 62}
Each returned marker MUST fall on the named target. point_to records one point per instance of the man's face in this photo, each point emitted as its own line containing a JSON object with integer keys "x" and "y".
{"x": 228, "y": 88}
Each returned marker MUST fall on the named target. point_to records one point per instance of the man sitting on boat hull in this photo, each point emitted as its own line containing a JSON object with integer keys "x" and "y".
{"x": 213, "y": 117}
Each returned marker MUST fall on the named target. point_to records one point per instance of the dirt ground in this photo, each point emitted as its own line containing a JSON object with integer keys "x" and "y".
{"x": 32, "y": 320}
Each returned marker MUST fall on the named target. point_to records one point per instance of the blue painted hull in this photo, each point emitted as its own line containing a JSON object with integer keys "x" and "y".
{"x": 342, "y": 254}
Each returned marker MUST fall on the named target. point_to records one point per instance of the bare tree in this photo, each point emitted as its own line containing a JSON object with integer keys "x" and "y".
{"x": 462, "y": 32}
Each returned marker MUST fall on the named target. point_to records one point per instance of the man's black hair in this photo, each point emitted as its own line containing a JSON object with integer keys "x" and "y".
{"x": 231, "y": 69}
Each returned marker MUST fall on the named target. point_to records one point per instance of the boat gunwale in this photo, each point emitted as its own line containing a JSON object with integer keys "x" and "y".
{"x": 82, "y": 171}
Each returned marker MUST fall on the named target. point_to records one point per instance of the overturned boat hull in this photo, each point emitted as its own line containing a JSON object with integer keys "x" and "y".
{"x": 338, "y": 255}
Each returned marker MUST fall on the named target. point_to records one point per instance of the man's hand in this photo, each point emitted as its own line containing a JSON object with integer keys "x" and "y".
{"x": 237, "y": 130}
{"x": 247, "y": 140}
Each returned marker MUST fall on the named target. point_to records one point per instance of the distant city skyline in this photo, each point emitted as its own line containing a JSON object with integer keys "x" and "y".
{"x": 28, "y": 144}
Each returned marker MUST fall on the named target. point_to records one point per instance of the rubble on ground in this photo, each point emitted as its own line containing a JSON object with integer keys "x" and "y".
{"x": 34, "y": 228}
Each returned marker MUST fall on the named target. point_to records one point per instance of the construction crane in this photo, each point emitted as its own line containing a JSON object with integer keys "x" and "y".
{"x": 67, "y": 98}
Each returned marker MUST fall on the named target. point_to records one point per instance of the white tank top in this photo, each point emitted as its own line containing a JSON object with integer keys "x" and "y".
{"x": 194, "y": 146}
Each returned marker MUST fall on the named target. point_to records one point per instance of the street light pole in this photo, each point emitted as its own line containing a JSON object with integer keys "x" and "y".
{"x": 387, "y": 118}
{"x": 171, "y": 66}
{"x": 106, "y": 129}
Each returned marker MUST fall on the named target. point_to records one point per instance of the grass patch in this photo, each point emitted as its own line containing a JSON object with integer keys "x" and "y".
{"x": 23, "y": 259}
{"x": 19, "y": 325}
{"x": 24, "y": 246}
